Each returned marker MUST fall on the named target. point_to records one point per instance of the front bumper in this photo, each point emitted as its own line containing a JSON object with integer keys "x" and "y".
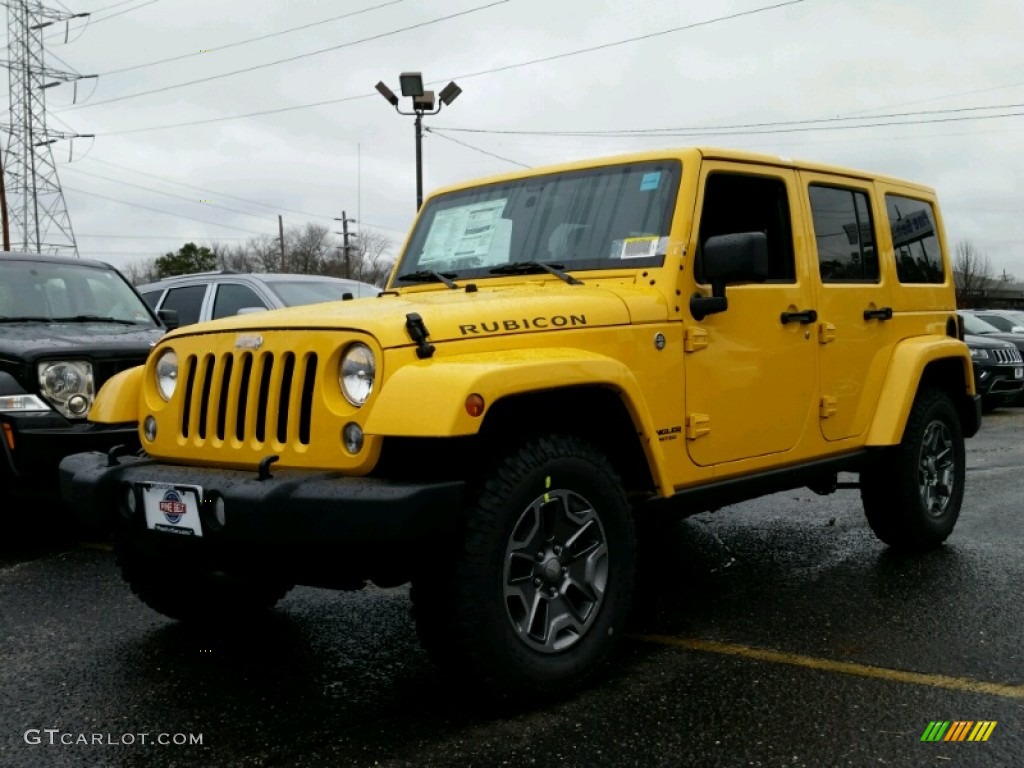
{"x": 41, "y": 440}
{"x": 998, "y": 380}
{"x": 301, "y": 521}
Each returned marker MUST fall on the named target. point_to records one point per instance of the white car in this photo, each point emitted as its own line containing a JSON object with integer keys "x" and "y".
{"x": 211, "y": 295}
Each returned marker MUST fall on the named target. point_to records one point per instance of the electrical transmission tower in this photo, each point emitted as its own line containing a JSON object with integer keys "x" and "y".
{"x": 39, "y": 219}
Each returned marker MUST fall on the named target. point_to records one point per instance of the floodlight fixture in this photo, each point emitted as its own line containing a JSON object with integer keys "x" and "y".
{"x": 387, "y": 93}
{"x": 423, "y": 103}
{"x": 449, "y": 93}
{"x": 412, "y": 83}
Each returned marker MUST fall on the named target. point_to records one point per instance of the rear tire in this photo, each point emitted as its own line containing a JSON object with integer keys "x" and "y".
{"x": 912, "y": 495}
{"x": 190, "y": 594}
{"x": 535, "y": 596}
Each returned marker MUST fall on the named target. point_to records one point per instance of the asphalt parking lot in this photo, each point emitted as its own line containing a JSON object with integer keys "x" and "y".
{"x": 774, "y": 633}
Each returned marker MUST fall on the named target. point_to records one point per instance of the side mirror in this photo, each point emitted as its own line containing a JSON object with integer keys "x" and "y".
{"x": 730, "y": 260}
{"x": 169, "y": 317}
{"x": 1017, "y": 329}
{"x": 250, "y": 310}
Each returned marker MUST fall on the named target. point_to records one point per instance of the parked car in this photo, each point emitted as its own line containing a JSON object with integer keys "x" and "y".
{"x": 982, "y": 330}
{"x": 66, "y": 327}
{"x": 211, "y": 295}
{"x": 998, "y": 370}
{"x": 563, "y": 354}
{"x": 1005, "y": 320}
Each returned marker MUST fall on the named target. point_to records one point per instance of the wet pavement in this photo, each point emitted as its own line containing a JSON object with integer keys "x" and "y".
{"x": 774, "y": 633}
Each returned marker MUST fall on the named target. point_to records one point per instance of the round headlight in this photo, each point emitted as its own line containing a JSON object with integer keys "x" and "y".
{"x": 356, "y": 373}
{"x": 167, "y": 374}
{"x": 63, "y": 380}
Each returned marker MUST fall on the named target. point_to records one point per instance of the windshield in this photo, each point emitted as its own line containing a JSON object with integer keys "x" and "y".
{"x": 48, "y": 291}
{"x": 976, "y": 326}
{"x": 601, "y": 218}
{"x": 299, "y": 292}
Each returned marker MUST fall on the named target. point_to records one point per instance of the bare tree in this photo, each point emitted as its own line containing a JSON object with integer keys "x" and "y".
{"x": 973, "y": 275}
{"x": 141, "y": 271}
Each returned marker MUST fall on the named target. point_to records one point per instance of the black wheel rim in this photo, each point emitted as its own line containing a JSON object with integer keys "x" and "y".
{"x": 936, "y": 468}
{"x": 555, "y": 571}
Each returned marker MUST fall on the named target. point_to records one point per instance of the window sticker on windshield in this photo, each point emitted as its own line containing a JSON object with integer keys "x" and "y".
{"x": 639, "y": 247}
{"x": 650, "y": 181}
{"x": 464, "y": 234}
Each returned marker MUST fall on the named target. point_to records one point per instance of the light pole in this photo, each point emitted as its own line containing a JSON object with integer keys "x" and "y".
{"x": 422, "y": 104}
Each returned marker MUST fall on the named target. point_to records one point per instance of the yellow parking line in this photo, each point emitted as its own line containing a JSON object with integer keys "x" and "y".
{"x": 962, "y": 684}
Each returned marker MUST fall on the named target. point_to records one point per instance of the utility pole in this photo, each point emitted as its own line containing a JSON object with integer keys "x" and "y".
{"x": 38, "y": 210}
{"x": 345, "y": 235}
{"x": 280, "y": 231}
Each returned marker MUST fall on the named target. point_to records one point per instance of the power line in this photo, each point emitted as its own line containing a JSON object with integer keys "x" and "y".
{"x": 160, "y": 237}
{"x": 250, "y": 40}
{"x": 739, "y": 127}
{"x": 165, "y": 213}
{"x": 504, "y": 68}
{"x": 309, "y": 54}
{"x": 269, "y": 206}
{"x": 475, "y": 149}
{"x": 165, "y": 194}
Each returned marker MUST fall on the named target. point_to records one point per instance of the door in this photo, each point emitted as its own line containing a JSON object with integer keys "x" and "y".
{"x": 854, "y": 308}
{"x": 751, "y": 372}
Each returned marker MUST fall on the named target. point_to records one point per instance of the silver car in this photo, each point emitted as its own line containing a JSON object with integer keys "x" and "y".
{"x": 211, "y": 295}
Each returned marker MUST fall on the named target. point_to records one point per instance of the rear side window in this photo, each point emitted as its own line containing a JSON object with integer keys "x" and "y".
{"x": 187, "y": 302}
{"x": 734, "y": 203}
{"x": 915, "y": 240}
{"x": 152, "y": 298}
{"x": 232, "y": 297}
{"x": 845, "y": 235}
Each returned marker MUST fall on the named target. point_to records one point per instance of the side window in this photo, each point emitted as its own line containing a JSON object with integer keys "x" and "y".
{"x": 845, "y": 235}
{"x": 187, "y": 302}
{"x": 152, "y": 298}
{"x": 232, "y": 297}
{"x": 914, "y": 239}
{"x": 734, "y": 203}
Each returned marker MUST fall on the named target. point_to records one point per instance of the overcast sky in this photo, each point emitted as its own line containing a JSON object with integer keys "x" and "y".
{"x": 956, "y": 65}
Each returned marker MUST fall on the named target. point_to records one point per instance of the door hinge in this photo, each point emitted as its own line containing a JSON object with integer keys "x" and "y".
{"x": 695, "y": 338}
{"x": 828, "y": 406}
{"x": 697, "y": 425}
{"x": 826, "y": 333}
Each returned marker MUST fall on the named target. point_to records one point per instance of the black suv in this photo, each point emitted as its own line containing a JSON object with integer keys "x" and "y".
{"x": 66, "y": 326}
{"x": 998, "y": 370}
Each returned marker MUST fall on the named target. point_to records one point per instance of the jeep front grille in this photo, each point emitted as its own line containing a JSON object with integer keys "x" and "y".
{"x": 1011, "y": 355}
{"x": 248, "y": 396}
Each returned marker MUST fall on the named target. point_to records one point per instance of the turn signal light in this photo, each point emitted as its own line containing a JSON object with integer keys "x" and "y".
{"x": 475, "y": 405}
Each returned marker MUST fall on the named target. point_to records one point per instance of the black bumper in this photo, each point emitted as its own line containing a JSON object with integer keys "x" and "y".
{"x": 41, "y": 441}
{"x": 300, "y": 511}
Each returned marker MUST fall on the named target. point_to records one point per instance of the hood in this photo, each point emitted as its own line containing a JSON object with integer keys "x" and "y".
{"x": 984, "y": 342}
{"x": 461, "y": 314}
{"x": 29, "y": 342}
{"x": 1016, "y": 339}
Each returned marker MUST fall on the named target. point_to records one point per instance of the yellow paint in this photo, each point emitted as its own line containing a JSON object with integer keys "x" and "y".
{"x": 117, "y": 402}
{"x": 961, "y": 684}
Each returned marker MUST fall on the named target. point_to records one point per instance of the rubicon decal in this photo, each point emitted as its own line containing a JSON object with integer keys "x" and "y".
{"x": 523, "y": 324}
{"x": 958, "y": 730}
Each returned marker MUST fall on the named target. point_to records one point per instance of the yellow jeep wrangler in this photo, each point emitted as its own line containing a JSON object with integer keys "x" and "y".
{"x": 559, "y": 353}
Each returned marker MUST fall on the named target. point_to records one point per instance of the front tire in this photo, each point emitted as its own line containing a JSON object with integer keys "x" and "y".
{"x": 538, "y": 592}
{"x": 912, "y": 496}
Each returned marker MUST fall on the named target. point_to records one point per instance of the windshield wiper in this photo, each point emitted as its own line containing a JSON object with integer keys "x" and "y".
{"x": 4, "y": 319}
{"x": 429, "y": 276}
{"x": 526, "y": 267}
{"x": 90, "y": 319}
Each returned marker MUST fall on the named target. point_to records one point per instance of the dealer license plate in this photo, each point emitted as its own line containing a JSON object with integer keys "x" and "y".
{"x": 172, "y": 509}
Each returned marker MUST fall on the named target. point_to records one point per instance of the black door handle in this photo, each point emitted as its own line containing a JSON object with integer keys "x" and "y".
{"x": 885, "y": 313}
{"x": 805, "y": 317}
